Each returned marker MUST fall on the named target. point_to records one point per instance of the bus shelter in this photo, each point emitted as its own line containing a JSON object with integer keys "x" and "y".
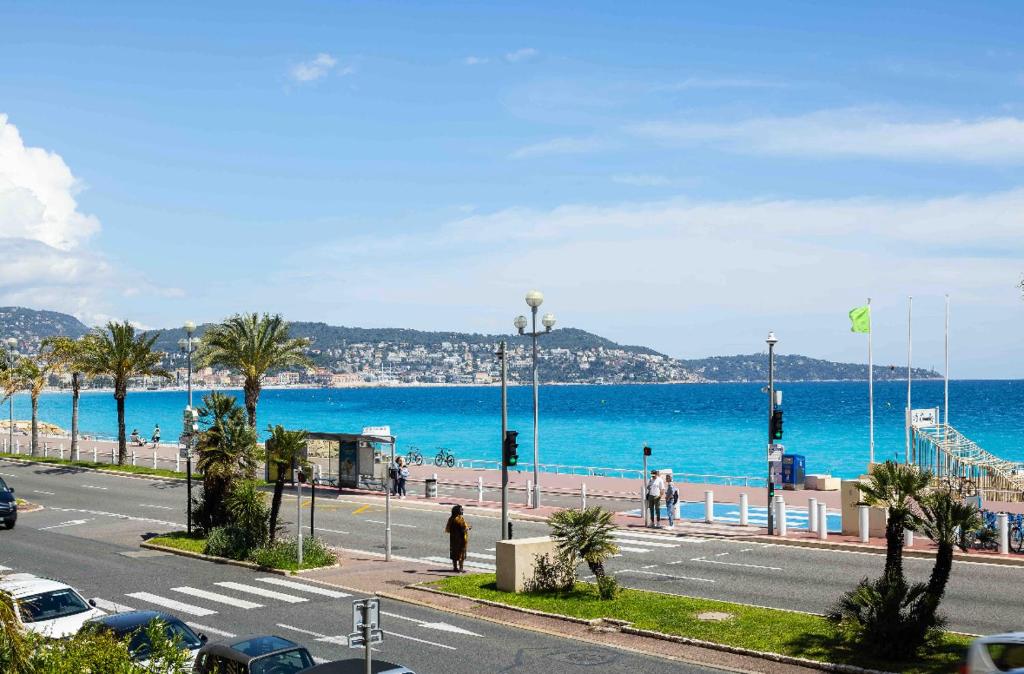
{"x": 346, "y": 460}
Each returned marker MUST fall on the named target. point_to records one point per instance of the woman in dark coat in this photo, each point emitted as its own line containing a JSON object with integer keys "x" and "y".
{"x": 458, "y": 538}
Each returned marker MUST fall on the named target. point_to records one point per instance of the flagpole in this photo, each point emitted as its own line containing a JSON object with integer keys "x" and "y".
{"x": 871, "y": 395}
{"x": 945, "y": 408}
{"x": 910, "y": 341}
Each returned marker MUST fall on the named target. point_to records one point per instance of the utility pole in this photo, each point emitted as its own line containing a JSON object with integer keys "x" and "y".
{"x": 504, "y": 427}
{"x": 298, "y": 508}
{"x": 771, "y": 412}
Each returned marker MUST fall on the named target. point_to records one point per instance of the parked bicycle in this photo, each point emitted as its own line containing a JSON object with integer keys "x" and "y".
{"x": 1017, "y": 533}
{"x": 444, "y": 457}
{"x": 987, "y": 537}
{"x": 414, "y": 456}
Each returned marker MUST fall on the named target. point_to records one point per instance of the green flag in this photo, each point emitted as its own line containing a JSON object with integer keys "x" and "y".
{"x": 860, "y": 319}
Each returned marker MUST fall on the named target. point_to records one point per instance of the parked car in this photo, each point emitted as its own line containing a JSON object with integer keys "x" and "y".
{"x": 253, "y": 655}
{"x": 8, "y": 505}
{"x": 358, "y": 666}
{"x": 996, "y": 654}
{"x": 48, "y": 607}
{"x": 133, "y": 624}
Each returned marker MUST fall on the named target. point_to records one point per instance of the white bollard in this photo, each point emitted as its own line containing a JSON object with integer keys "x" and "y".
{"x": 864, "y": 514}
{"x": 822, "y": 521}
{"x": 177, "y": 463}
{"x": 908, "y": 538}
{"x": 479, "y": 490}
{"x": 744, "y": 506}
{"x": 709, "y": 506}
{"x": 780, "y": 516}
{"x": 45, "y": 447}
{"x": 812, "y": 515}
{"x": 133, "y": 457}
{"x": 154, "y": 459}
{"x": 94, "y": 458}
{"x": 17, "y": 446}
{"x": 111, "y": 456}
{"x": 1003, "y": 527}
{"x": 529, "y": 493}
{"x": 78, "y": 453}
{"x": 583, "y": 495}
{"x": 61, "y": 448}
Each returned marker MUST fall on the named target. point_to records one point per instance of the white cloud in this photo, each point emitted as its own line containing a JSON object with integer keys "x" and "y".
{"x": 718, "y": 83}
{"x": 855, "y": 133}
{"x": 557, "y": 146}
{"x": 518, "y": 55}
{"x": 651, "y": 180}
{"x": 316, "y": 68}
{"x": 475, "y": 60}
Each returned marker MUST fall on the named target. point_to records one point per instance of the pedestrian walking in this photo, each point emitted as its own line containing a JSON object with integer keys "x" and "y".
{"x": 655, "y": 487}
{"x": 671, "y": 499}
{"x": 393, "y": 476}
{"x": 403, "y": 476}
{"x": 156, "y": 435}
{"x": 458, "y": 538}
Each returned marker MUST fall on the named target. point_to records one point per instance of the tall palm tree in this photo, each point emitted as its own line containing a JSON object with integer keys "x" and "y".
{"x": 252, "y": 345}
{"x": 284, "y": 449}
{"x": 31, "y": 374}
{"x": 66, "y": 355}
{"x": 587, "y": 534}
{"x": 944, "y": 517}
{"x": 227, "y": 453}
{"x": 116, "y": 351}
{"x": 895, "y": 486}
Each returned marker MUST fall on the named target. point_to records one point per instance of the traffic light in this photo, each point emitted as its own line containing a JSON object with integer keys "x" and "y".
{"x": 509, "y": 455}
{"x": 775, "y": 427}
{"x": 647, "y": 450}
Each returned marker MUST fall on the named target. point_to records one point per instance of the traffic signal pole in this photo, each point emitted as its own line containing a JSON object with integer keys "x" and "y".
{"x": 771, "y": 439}
{"x": 505, "y": 534}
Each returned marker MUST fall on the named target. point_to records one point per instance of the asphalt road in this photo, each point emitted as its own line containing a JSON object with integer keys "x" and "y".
{"x": 981, "y": 598}
{"x": 88, "y": 536}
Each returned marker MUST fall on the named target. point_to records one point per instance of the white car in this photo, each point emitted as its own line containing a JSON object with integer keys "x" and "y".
{"x": 46, "y": 606}
{"x": 996, "y": 654}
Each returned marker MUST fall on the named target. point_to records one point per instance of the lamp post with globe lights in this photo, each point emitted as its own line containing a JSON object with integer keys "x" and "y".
{"x": 534, "y": 299}
{"x": 188, "y": 436}
{"x": 771, "y": 341}
{"x": 187, "y": 346}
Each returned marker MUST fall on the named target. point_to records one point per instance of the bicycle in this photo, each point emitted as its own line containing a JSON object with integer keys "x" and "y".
{"x": 1017, "y": 533}
{"x": 964, "y": 487}
{"x": 444, "y": 457}
{"x": 414, "y": 457}
{"x": 986, "y": 537}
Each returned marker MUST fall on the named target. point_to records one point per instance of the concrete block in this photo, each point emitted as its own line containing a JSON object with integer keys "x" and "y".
{"x": 850, "y": 497}
{"x": 515, "y": 560}
{"x": 822, "y": 483}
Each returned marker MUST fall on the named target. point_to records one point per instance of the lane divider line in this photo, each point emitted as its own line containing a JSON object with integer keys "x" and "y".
{"x": 171, "y": 604}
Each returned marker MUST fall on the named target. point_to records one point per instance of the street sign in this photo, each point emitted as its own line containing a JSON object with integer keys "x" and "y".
{"x": 924, "y": 418}
{"x": 373, "y": 613}
{"x": 775, "y": 452}
{"x": 356, "y": 640}
{"x": 776, "y": 472}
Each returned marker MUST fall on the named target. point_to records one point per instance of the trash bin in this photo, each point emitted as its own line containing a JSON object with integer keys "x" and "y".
{"x": 431, "y": 487}
{"x": 794, "y": 469}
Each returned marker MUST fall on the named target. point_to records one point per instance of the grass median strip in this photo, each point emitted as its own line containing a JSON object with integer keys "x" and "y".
{"x": 180, "y": 540}
{"x": 280, "y": 555}
{"x": 790, "y": 633}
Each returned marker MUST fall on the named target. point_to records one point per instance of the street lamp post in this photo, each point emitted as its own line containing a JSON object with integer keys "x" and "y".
{"x": 186, "y": 345}
{"x": 11, "y": 355}
{"x": 772, "y": 341}
{"x": 534, "y": 299}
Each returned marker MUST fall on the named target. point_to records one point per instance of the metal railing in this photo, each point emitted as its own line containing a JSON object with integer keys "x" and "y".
{"x": 625, "y": 473}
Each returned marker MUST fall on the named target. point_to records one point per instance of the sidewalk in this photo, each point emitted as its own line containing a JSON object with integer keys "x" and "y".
{"x": 396, "y": 580}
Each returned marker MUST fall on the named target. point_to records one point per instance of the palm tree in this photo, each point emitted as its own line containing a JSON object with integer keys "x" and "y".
{"x": 895, "y": 486}
{"x": 115, "y": 351}
{"x": 227, "y": 453}
{"x": 284, "y": 449}
{"x": 252, "y": 345}
{"x": 943, "y": 519}
{"x": 585, "y": 534}
{"x": 66, "y": 355}
{"x": 31, "y": 374}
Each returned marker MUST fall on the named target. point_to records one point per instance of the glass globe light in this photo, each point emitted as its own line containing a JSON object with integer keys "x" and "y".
{"x": 534, "y": 298}
{"x": 190, "y": 327}
{"x": 548, "y": 321}
{"x": 520, "y": 323}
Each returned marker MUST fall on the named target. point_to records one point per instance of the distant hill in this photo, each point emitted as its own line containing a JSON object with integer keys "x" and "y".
{"x": 754, "y": 367}
{"x": 30, "y": 326}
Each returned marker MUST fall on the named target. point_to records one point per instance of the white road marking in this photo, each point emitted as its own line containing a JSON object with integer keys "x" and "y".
{"x": 479, "y": 555}
{"x": 748, "y": 566}
{"x": 172, "y": 604}
{"x": 262, "y": 592}
{"x": 650, "y": 544}
{"x": 117, "y": 515}
{"x": 667, "y": 575}
{"x": 40, "y": 491}
{"x": 111, "y": 605}
{"x": 422, "y": 641}
{"x": 8, "y": 475}
{"x": 331, "y": 531}
{"x": 394, "y": 524}
{"x": 656, "y": 537}
{"x": 442, "y": 626}
{"x": 334, "y": 594}
{"x": 341, "y": 640}
{"x": 214, "y": 596}
{"x": 211, "y": 630}
{"x": 92, "y": 486}
{"x": 160, "y": 507}
{"x": 472, "y": 565}
{"x": 628, "y": 549}
{"x": 491, "y": 549}
{"x": 69, "y": 523}
{"x": 5, "y": 568}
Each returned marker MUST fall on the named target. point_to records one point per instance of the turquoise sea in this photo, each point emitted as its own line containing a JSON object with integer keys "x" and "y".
{"x": 706, "y": 428}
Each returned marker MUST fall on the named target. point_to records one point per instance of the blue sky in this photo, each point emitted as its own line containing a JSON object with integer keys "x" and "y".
{"x": 686, "y": 177}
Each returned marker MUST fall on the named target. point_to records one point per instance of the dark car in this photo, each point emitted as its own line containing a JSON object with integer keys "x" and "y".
{"x": 358, "y": 666}
{"x": 133, "y": 624}
{"x": 8, "y": 505}
{"x": 253, "y": 655}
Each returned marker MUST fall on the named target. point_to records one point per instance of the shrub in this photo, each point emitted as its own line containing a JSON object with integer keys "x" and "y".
{"x": 551, "y": 574}
{"x": 607, "y": 587}
{"x": 283, "y": 554}
{"x": 247, "y": 510}
{"x": 231, "y": 542}
{"x": 886, "y": 617}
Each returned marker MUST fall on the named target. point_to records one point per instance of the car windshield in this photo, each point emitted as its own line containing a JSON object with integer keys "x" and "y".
{"x": 51, "y": 605}
{"x": 175, "y": 631}
{"x": 3, "y": 485}
{"x": 284, "y": 662}
{"x": 1007, "y": 656}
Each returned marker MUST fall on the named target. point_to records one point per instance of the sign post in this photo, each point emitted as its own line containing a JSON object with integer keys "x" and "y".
{"x": 366, "y": 629}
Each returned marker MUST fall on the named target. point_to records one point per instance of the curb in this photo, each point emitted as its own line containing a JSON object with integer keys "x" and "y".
{"x": 1007, "y": 560}
{"x": 231, "y": 562}
{"x": 118, "y": 473}
{"x": 626, "y": 628}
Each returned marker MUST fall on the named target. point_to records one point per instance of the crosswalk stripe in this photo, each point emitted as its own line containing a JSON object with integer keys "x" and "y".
{"x": 171, "y": 604}
{"x": 111, "y": 606}
{"x": 334, "y": 594}
{"x": 479, "y": 555}
{"x": 649, "y": 537}
{"x": 473, "y": 565}
{"x": 211, "y": 630}
{"x": 5, "y": 568}
{"x": 650, "y": 544}
{"x": 262, "y": 592}
{"x": 628, "y": 549}
{"x": 217, "y": 597}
